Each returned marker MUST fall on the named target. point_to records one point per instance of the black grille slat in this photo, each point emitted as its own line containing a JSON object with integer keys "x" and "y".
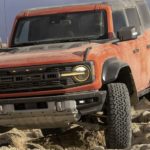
{"x": 29, "y": 89}
{"x": 30, "y": 84}
{"x": 26, "y": 79}
{"x": 6, "y": 79}
{"x": 29, "y": 77}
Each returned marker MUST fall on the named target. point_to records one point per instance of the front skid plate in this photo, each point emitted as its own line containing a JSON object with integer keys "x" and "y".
{"x": 43, "y": 119}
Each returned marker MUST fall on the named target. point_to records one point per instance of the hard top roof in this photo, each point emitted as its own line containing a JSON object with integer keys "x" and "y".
{"x": 115, "y": 4}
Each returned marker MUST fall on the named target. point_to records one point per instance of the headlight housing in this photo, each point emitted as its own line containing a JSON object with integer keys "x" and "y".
{"x": 79, "y": 73}
{"x": 82, "y": 73}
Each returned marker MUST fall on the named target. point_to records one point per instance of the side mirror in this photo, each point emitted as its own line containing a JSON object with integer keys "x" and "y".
{"x": 127, "y": 33}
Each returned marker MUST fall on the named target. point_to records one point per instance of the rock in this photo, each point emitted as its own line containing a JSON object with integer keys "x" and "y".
{"x": 140, "y": 108}
{"x": 32, "y": 146}
{"x": 136, "y": 130}
{"x": 143, "y": 105}
{"x": 145, "y": 128}
{"x": 56, "y": 147}
{"x": 76, "y": 138}
{"x": 141, "y": 147}
{"x": 15, "y": 138}
{"x": 143, "y": 117}
{"x": 8, "y": 148}
{"x": 98, "y": 148}
{"x": 35, "y": 133}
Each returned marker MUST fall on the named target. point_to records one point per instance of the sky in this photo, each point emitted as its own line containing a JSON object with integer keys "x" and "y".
{"x": 9, "y": 9}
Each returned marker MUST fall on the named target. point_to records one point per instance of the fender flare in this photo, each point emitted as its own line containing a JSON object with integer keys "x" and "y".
{"x": 111, "y": 69}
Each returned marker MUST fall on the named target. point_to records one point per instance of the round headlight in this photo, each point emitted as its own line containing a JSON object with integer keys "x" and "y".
{"x": 83, "y": 73}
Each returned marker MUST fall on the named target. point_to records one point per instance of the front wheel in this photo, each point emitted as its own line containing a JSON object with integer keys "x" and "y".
{"x": 118, "y": 132}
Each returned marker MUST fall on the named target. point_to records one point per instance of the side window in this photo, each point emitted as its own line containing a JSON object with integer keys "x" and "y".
{"x": 133, "y": 18}
{"x": 22, "y": 32}
{"x": 119, "y": 20}
{"x": 148, "y": 2}
{"x": 144, "y": 14}
{"x": 103, "y": 24}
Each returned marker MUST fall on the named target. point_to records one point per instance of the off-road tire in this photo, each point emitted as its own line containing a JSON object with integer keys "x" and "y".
{"x": 118, "y": 131}
{"x": 53, "y": 131}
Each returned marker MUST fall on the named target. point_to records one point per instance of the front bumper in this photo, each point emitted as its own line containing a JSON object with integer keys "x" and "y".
{"x": 49, "y": 111}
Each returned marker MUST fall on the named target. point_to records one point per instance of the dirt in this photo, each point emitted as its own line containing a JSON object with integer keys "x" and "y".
{"x": 79, "y": 138}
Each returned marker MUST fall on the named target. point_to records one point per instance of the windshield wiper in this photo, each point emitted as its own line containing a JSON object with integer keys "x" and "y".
{"x": 36, "y": 42}
{"x": 71, "y": 39}
{"x": 8, "y": 49}
{"x": 57, "y": 41}
{"x": 28, "y": 43}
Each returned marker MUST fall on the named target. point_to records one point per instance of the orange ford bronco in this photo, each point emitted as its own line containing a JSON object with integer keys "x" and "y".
{"x": 66, "y": 64}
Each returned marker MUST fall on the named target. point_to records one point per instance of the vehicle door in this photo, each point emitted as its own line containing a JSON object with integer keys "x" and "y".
{"x": 130, "y": 51}
{"x": 144, "y": 13}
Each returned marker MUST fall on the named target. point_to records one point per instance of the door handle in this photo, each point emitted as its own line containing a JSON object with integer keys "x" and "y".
{"x": 136, "y": 50}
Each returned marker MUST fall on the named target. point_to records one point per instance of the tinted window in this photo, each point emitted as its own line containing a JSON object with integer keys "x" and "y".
{"x": 133, "y": 18}
{"x": 119, "y": 20}
{"x": 62, "y": 27}
{"x": 144, "y": 14}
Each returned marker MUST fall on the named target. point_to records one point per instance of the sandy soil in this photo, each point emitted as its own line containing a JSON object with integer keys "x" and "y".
{"x": 79, "y": 138}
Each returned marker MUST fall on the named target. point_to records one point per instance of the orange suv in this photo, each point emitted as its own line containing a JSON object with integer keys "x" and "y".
{"x": 66, "y": 64}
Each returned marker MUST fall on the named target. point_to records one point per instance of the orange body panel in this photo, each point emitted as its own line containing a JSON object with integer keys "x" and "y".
{"x": 98, "y": 54}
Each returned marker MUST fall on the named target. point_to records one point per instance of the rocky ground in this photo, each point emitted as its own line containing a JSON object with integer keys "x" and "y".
{"x": 79, "y": 138}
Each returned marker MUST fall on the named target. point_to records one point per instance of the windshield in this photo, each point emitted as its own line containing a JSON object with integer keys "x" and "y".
{"x": 61, "y": 27}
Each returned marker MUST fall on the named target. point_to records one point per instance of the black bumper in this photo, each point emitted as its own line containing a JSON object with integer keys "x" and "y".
{"x": 93, "y": 100}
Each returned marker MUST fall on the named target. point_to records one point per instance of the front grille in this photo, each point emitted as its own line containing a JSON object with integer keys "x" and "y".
{"x": 27, "y": 79}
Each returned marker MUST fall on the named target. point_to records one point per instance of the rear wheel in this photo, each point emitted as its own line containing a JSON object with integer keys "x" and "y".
{"x": 148, "y": 96}
{"x": 118, "y": 132}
